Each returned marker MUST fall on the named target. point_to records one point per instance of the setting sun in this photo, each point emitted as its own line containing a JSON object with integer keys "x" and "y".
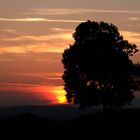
{"x": 60, "y": 94}
{"x": 61, "y": 99}
{"x": 55, "y": 94}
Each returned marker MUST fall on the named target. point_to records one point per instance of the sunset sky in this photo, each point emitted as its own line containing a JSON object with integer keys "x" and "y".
{"x": 33, "y": 35}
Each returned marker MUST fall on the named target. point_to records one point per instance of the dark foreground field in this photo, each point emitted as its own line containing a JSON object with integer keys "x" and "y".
{"x": 121, "y": 125}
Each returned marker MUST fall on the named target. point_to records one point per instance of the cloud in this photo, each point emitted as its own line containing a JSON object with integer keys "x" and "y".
{"x": 134, "y": 18}
{"x": 55, "y": 41}
{"x": 27, "y": 69}
{"x": 39, "y": 20}
{"x": 17, "y": 98}
{"x": 65, "y": 36}
{"x": 31, "y": 62}
{"x": 6, "y": 60}
{"x": 8, "y": 31}
{"x": 28, "y": 80}
{"x": 62, "y": 30}
{"x": 132, "y": 37}
{"x": 73, "y": 11}
{"x": 24, "y": 94}
{"x": 22, "y": 79}
{"x": 20, "y": 93}
{"x": 56, "y": 46}
{"x": 10, "y": 84}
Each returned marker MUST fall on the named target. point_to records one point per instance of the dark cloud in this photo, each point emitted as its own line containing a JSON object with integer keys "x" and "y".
{"x": 31, "y": 63}
{"x": 10, "y": 98}
{"x": 28, "y": 80}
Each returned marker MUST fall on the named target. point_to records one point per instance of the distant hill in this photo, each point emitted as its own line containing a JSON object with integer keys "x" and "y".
{"x": 55, "y": 112}
{"x": 123, "y": 124}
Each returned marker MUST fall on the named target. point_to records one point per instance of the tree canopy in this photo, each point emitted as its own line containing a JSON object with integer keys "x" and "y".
{"x": 97, "y": 68}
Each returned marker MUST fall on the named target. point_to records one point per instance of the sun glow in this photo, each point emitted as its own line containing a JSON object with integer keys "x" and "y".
{"x": 62, "y": 99}
{"x": 55, "y": 94}
{"x": 60, "y": 94}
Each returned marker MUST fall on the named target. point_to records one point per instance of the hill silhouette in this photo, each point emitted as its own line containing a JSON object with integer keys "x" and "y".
{"x": 121, "y": 124}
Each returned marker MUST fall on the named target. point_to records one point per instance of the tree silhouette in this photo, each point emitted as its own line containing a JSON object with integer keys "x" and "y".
{"x": 136, "y": 73}
{"x": 97, "y": 68}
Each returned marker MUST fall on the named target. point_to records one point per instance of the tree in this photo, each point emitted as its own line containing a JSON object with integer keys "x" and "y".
{"x": 97, "y": 68}
{"x": 136, "y": 70}
{"x": 136, "y": 73}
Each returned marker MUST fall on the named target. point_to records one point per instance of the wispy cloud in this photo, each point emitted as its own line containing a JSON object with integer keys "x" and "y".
{"x": 12, "y": 84}
{"x": 134, "y": 18}
{"x": 63, "y": 11}
{"x": 39, "y": 20}
{"x": 13, "y": 94}
{"x": 65, "y": 36}
{"x": 132, "y": 37}
{"x": 6, "y": 60}
{"x": 28, "y": 69}
{"x": 23, "y": 78}
{"x": 55, "y": 42}
{"x": 8, "y": 30}
{"x": 36, "y": 48}
{"x": 62, "y": 30}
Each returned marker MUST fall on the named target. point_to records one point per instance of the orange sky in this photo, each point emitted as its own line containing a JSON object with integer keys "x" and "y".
{"x": 33, "y": 35}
